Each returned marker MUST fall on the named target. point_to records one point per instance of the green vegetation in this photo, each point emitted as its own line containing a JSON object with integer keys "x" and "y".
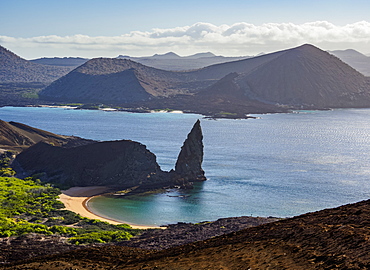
{"x": 31, "y": 94}
{"x": 92, "y": 106}
{"x": 13, "y": 93}
{"x": 72, "y": 104}
{"x": 227, "y": 113}
{"x": 26, "y": 197}
{"x": 5, "y": 169}
{"x": 166, "y": 110}
{"x": 28, "y": 206}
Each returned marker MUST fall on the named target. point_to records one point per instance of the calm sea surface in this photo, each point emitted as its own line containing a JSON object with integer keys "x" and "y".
{"x": 277, "y": 165}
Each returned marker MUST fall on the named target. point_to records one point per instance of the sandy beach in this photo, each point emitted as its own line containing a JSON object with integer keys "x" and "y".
{"x": 75, "y": 200}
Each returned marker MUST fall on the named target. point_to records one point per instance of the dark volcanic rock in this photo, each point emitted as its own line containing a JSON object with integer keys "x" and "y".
{"x": 122, "y": 164}
{"x": 32, "y": 245}
{"x": 189, "y": 162}
{"x": 184, "y": 233}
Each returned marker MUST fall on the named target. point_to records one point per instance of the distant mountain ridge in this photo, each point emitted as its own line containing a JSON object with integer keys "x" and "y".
{"x": 169, "y": 55}
{"x": 59, "y": 61}
{"x": 16, "y": 69}
{"x": 355, "y": 59}
{"x": 172, "y": 62}
{"x": 169, "y": 61}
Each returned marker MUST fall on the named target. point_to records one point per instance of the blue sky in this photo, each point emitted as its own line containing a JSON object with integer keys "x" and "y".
{"x": 36, "y": 28}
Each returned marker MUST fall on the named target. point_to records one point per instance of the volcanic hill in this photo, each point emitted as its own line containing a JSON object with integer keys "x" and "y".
{"x": 302, "y": 77}
{"x": 14, "y": 69}
{"x": 116, "y": 81}
{"x": 307, "y": 77}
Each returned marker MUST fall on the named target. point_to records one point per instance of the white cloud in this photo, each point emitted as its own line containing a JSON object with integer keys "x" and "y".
{"x": 237, "y": 39}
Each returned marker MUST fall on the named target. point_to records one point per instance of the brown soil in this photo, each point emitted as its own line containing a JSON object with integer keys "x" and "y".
{"x": 330, "y": 239}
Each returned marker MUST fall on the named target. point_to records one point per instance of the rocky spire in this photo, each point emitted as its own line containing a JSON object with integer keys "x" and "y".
{"x": 189, "y": 161}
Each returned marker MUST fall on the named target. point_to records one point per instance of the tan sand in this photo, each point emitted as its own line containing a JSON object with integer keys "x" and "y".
{"x": 75, "y": 200}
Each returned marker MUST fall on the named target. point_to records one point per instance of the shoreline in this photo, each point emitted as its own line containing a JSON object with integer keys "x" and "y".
{"x": 76, "y": 199}
{"x": 233, "y": 116}
{"x": 212, "y": 116}
{"x": 107, "y": 109}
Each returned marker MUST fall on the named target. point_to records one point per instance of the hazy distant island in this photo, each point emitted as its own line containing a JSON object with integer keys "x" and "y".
{"x": 300, "y": 78}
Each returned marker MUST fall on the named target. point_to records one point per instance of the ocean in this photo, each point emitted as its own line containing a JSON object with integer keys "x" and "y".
{"x": 278, "y": 165}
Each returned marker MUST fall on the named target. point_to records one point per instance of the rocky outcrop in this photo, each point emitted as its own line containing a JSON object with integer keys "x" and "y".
{"x": 120, "y": 164}
{"x": 189, "y": 161}
{"x": 123, "y": 163}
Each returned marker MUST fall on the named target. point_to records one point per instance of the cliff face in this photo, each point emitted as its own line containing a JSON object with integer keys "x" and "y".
{"x": 189, "y": 161}
{"x": 122, "y": 164}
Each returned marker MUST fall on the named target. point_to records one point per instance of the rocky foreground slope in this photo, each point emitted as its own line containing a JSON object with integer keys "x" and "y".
{"x": 17, "y": 137}
{"x": 329, "y": 239}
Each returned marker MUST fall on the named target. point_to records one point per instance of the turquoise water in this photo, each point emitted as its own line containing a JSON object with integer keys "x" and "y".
{"x": 276, "y": 165}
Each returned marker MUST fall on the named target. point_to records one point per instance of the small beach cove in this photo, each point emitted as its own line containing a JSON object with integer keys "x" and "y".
{"x": 76, "y": 199}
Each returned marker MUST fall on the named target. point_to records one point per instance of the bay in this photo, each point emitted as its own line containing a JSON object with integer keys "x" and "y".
{"x": 277, "y": 165}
